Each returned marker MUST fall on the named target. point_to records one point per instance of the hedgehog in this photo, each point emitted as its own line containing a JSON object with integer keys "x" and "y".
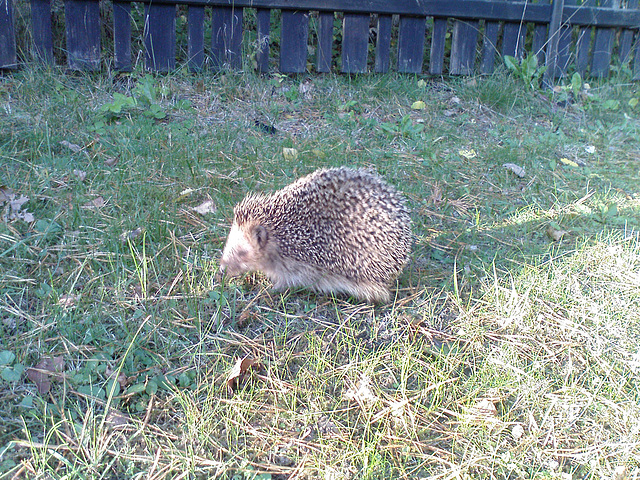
{"x": 337, "y": 230}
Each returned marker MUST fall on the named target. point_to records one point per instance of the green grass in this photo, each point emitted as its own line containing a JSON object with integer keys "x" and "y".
{"x": 505, "y": 354}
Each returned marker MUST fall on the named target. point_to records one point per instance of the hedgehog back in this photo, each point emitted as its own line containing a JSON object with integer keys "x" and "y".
{"x": 345, "y": 221}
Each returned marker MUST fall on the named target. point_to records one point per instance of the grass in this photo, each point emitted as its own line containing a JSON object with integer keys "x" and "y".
{"x": 505, "y": 353}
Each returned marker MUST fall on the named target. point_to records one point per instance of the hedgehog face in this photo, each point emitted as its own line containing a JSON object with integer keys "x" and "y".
{"x": 244, "y": 250}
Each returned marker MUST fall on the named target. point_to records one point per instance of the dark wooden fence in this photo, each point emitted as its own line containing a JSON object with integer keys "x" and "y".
{"x": 566, "y": 36}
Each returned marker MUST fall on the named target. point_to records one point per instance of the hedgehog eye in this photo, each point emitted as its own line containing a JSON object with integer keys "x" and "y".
{"x": 242, "y": 254}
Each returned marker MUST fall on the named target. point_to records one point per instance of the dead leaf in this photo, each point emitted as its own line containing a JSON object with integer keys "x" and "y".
{"x": 68, "y": 301}
{"x": 517, "y": 169}
{"x": 517, "y": 431}
{"x": 305, "y": 88}
{"x": 97, "y": 202}
{"x": 289, "y": 154}
{"x": 483, "y": 410}
{"x": 571, "y": 163}
{"x": 239, "y": 369}
{"x": 122, "y": 378}
{"x": 80, "y": 174}
{"x": 16, "y": 204}
{"x": 131, "y": 234}
{"x": 5, "y": 193}
{"x": 111, "y": 161}
{"x": 436, "y": 195}
{"x": 468, "y": 154}
{"x": 620, "y": 473}
{"x": 361, "y": 392}
{"x": 71, "y": 146}
{"x": 205, "y": 207}
{"x": 418, "y": 105}
{"x": 556, "y": 234}
{"x": 46, "y": 370}
{"x": 116, "y": 418}
{"x": 14, "y": 212}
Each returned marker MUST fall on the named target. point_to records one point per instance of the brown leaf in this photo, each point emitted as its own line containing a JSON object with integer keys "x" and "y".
{"x": 122, "y": 378}
{"x": 46, "y": 370}
{"x": 111, "y": 161}
{"x": 71, "y": 146}
{"x": 436, "y": 195}
{"x": 556, "y": 235}
{"x": 116, "y": 418}
{"x": 516, "y": 169}
{"x": 68, "y": 301}
{"x": 80, "y": 174}
{"x": 97, "y": 202}
{"x": 5, "y": 193}
{"x": 131, "y": 234}
{"x": 239, "y": 369}
{"x": 205, "y": 207}
{"x": 361, "y": 392}
{"x": 14, "y": 212}
{"x": 483, "y": 410}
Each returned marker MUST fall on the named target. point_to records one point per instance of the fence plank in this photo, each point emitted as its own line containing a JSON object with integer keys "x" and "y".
{"x": 122, "y": 36}
{"x": 7, "y": 35}
{"x": 463, "y": 47}
{"x": 582, "y": 50}
{"x": 626, "y": 38}
{"x": 325, "y": 42}
{"x": 195, "y": 37}
{"x": 82, "y": 22}
{"x": 489, "y": 47}
{"x": 41, "y": 30}
{"x": 160, "y": 36}
{"x": 226, "y": 38}
{"x": 583, "y": 43}
{"x": 602, "y": 45}
{"x": 539, "y": 42}
{"x": 552, "y": 45}
{"x": 513, "y": 39}
{"x": 564, "y": 45}
{"x": 383, "y": 44}
{"x": 264, "y": 29}
{"x": 293, "y": 41}
{"x": 411, "y": 44}
{"x": 636, "y": 62}
{"x": 355, "y": 41}
{"x": 438, "y": 37}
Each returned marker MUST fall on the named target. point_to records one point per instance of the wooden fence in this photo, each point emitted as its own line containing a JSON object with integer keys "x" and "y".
{"x": 425, "y": 34}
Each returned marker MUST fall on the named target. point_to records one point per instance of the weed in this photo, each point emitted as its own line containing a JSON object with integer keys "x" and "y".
{"x": 526, "y": 69}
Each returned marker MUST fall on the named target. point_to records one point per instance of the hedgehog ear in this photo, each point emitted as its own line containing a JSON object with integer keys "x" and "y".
{"x": 261, "y": 235}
